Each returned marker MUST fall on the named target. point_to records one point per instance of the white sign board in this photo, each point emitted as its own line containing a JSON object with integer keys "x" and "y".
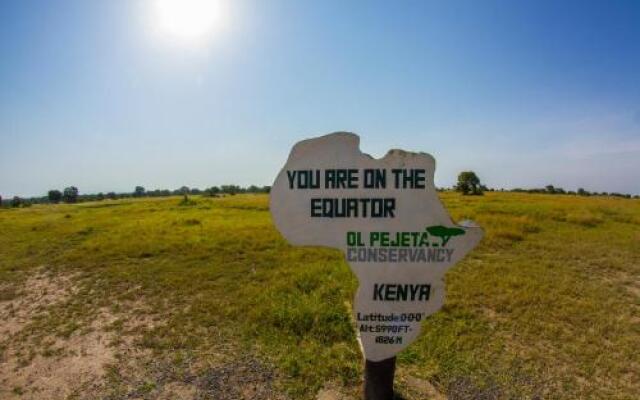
{"x": 386, "y": 217}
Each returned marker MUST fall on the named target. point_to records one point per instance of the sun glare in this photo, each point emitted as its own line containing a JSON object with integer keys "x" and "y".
{"x": 188, "y": 20}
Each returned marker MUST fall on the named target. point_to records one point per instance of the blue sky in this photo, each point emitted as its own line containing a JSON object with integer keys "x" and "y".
{"x": 524, "y": 93}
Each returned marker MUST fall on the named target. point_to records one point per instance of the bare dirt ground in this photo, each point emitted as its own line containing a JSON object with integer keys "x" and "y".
{"x": 69, "y": 365}
{"x": 99, "y": 362}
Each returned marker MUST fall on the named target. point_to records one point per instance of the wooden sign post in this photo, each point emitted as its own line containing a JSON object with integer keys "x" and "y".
{"x": 396, "y": 236}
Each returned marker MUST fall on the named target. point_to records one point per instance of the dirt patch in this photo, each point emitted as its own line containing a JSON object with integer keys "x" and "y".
{"x": 72, "y": 366}
{"x": 243, "y": 379}
{"x": 177, "y": 391}
{"x": 416, "y": 388}
{"x": 104, "y": 356}
{"x": 53, "y": 367}
{"x": 634, "y": 288}
{"x": 332, "y": 394}
{"x": 40, "y": 291}
{"x": 152, "y": 378}
{"x": 465, "y": 389}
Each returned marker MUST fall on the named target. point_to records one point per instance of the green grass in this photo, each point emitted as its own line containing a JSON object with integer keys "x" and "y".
{"x": 548, "y": 306}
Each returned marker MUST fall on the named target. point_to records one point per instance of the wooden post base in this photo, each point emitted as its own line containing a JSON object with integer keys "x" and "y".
{"x": 378, "y": 379}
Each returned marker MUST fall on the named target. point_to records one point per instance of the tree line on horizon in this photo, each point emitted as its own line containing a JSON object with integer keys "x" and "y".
{"x": 71, "y": 194}
{"x": 468, "y": 184}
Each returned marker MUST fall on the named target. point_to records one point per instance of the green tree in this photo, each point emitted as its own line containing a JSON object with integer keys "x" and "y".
{"x": 70, "y": 194}
{"x": 444, "y": 233}
{"x": 469, "y": 183}
{"x": 16, "y": 202}
{"x": 212, "y": 191}
{"x": 54, "y": 196}
{"x": 139, "y": 191}
{"x": 230, "y": 189}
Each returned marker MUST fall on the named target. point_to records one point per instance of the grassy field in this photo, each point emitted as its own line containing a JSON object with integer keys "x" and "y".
{"x": 156, "y": 299}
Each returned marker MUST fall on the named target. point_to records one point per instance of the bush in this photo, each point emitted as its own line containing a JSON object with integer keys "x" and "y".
{"x": 186, "y": 201}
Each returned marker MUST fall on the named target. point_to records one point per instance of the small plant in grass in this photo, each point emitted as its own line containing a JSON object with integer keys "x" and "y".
{"x": 186, "y": 201}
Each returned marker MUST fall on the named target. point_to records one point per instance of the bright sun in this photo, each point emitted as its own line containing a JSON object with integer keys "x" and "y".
{"x": 189, "y": 20}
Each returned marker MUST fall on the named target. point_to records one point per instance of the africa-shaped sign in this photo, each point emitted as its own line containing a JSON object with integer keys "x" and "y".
{"x": 386, "y": 217}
